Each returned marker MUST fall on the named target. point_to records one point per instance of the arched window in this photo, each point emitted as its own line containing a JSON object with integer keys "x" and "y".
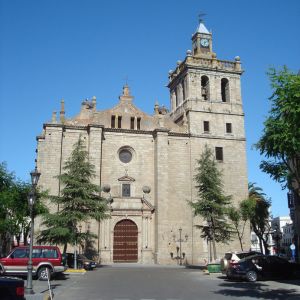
{"x": 205, "y": 87}
{"x": 183, "y": 92}
{"x": 225, "y": 89}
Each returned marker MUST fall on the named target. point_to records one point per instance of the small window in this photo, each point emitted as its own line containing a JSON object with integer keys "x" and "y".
{"x": 20, "y": 253}
{"x": 219, "y": 153}
{"x": 125, "y": 190}
{"x": 176, "y": 98}
{"x": 206, "y": 126}
{"x": 36, "y": 253}
{"x": 138, "y": 123}
{"x": 228, "y": 128}
{"x": 113, "y": 121}
{"x": 49, "y": 253}
{"x": 119, "y": 122}
{"x": 132, "y": 123}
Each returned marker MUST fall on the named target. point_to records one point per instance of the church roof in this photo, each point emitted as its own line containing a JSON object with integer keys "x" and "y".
{"x": 202, "y": 29}
{"x": 127, "y": 111}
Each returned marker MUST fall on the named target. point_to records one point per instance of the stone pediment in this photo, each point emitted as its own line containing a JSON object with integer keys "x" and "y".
{"x": 126, "y": 178}
{"x": 147, "y": 205}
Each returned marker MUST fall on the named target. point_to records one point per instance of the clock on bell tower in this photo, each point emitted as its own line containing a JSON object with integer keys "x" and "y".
{"x": 202, "y": 41}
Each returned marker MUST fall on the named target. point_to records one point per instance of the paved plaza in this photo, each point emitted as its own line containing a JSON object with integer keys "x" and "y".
{"x": 137, "y": 282}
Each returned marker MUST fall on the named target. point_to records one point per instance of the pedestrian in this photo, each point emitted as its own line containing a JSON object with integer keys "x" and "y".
{"x": 293, "y": 251}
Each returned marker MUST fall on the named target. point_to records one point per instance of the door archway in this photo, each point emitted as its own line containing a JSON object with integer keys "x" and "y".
{"x": 125, "y": 242}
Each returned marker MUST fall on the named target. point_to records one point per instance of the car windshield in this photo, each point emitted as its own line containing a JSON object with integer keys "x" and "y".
{"x": 82, "y": 256}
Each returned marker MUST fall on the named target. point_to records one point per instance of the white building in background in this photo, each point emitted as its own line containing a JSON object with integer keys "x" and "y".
{"x": 284, "y": 224}
{"x": 287, "y": 237}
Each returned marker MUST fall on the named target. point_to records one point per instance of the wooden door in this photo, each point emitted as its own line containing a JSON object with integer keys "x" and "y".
{"x": 125, "y": 242}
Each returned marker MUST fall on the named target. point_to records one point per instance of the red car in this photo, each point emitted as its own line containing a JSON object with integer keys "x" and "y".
{"x": 44, "y": 259}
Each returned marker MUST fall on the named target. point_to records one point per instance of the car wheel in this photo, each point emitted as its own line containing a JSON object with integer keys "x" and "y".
{"x": 43, "y": 273}
{"x": 228, "y": 274}
{"x": 251, "y": 276}
{"x": 224, "y": 264}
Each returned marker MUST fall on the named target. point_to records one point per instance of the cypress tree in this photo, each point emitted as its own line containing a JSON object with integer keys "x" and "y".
{"x": 79, "y": 201}
{"x": 211, "y": 204}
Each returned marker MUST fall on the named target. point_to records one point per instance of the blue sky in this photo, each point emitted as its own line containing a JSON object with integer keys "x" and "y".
{"x": 78, "y": 49}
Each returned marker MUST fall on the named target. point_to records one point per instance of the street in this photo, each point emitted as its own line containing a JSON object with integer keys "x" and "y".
{"x": 139, "y": 282}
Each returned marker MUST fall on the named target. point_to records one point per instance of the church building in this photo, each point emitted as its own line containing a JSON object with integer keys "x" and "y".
{"x": 146, "y": 164}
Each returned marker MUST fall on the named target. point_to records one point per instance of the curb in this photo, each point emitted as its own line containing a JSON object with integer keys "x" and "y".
{"x": 75, "y": 271}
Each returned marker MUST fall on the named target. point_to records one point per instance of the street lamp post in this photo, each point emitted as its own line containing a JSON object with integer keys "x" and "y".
{"x": 35, "y": 175}
{"x": 180, "y": 255}
{"x": 80, "y": 248}
{"x": 277, "y": 236}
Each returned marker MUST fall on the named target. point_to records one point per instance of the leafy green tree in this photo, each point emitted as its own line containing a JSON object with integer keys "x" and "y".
{"x": 280, "y": 142}
{"x": 256, "y": 209}
{"x": 14, "y": 209}
{"x": 6, "y": 184}
{"x": 211, "y": 203}
{"x": 79, "y": 201}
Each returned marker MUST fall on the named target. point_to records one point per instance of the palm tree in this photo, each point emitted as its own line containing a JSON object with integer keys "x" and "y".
{"x": 256, "y": 209}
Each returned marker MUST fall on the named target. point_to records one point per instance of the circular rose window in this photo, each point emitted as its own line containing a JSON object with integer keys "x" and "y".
{"x": 125, "y": 155}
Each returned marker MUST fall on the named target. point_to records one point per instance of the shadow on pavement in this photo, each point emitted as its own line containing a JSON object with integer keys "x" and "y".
{"x": 256, "y": 290}
{"x": 289, "y": 281}
{"x": 61, "y": 276}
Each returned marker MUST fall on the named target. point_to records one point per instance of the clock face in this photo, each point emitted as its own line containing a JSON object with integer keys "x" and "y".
{"x": 204, "y": 43}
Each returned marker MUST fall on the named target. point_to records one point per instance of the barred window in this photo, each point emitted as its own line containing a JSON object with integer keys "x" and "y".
{"x": 125, "y": 190}
{"x": 206, "y": 126}
{"x": 228, "y": 128}
{"x": 119, "y": 122}
{"x": 113, "y": 121}
{"x": 219, "y": 153}
{"x": 138, "y": 123}
{"x": 132, "y": 123}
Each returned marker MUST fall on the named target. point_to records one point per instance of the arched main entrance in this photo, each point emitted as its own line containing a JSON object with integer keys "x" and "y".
{"x": 125, "y": 242}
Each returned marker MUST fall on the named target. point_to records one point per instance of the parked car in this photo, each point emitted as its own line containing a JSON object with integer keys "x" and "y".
{"x": 262, "y": 266}
{"x": 82, "y": 261}
{"x": 11, "y": 288}
{"x": 45, "y": 259}
{"x": 233, "y": 257}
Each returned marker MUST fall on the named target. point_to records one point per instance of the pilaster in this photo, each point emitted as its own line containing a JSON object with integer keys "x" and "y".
{"x": 95, "y": 150}
{"x": 161, "y": 179}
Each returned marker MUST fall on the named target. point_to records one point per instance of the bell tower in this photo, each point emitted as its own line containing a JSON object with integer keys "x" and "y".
{"x": 205, "y": 92}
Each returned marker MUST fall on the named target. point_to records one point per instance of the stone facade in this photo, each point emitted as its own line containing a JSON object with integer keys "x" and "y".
{"x": 205, "y": 108}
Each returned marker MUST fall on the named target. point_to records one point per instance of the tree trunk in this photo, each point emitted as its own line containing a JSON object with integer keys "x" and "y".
{"x": 241, "y": 242}
{"x": 214, "y": 248}
{"x": 65, "y": 248}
